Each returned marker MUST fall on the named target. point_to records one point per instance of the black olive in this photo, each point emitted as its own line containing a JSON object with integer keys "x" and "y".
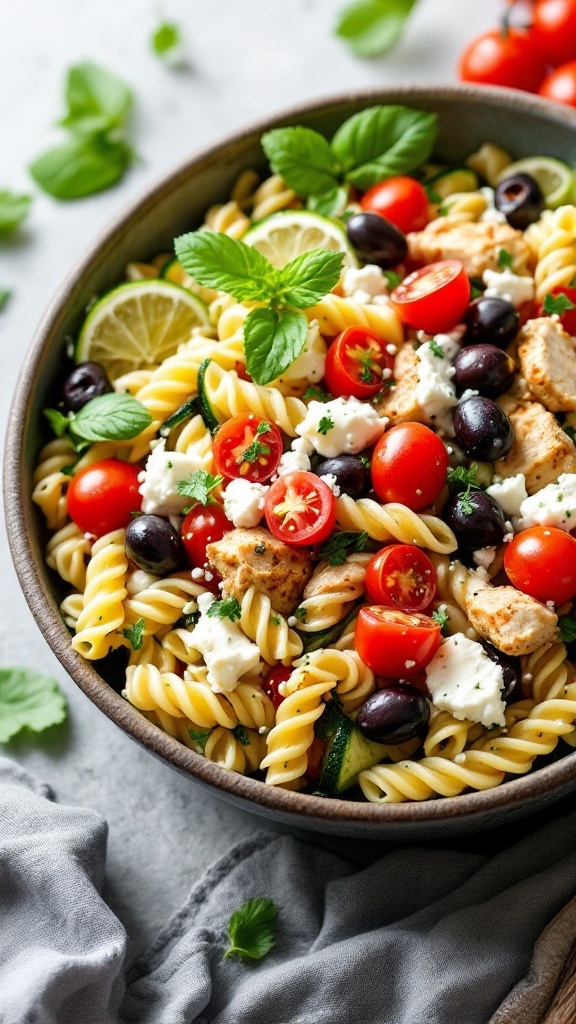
{"x": 395, "y": 714}
{"x": 484, "y": 368}
{"x": 476, "y": 519}
{"x": 154, "y": 545}
{"x": 483, "y": 429}
{"x": 376, "y": 240}
{"x": 87, "y": 381}
{"x": 520, "y": 199}
{"x": 352, "y": 476}
{"x": 492, "y": 321}
{"x": 511, "y": 669}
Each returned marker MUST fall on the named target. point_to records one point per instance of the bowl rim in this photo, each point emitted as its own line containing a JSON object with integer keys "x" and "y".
{"x": 31, "y": 571}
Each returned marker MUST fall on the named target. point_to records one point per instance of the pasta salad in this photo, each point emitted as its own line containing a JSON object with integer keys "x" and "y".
{"x": 314, "y": 477}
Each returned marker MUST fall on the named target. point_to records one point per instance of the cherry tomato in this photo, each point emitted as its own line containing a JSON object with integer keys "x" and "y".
{"x": 403, "y": 201}
{"x": 202, "y": 526}
{"x": 272, "y": 680}
{"x": 541, "y": 562}
{"x": 401, "y": 576}
{"x": 567, "y": 319}
{"x": 554, "y": 30}
{"x": 315, "y": 758}
{"x": 508, "y": 57}
{"x": 249, "y": 447}
{"x": 560, "y": 85}
{"x": 393, "y": 643}
{"x": 102, "y": 496}
{"x": 434, "y": 298}
{"x": 357, "y": 363}
{"x": 409, "y": 465}
{"x": 300, "y": 509}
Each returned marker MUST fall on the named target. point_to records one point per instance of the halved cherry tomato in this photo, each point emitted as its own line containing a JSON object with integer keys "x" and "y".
{"x": 403, "y": 201}
{"x": 567, "y": 319}
{"x": 247, "y": 446}
{"x": 401, "y": 576}
{"x": 560, "y": 85}
{"x": 506, "y": 56}
{"x": 272, "y": 680}
{"x": 357, "y": 363}
{"x": 434, "y": 298}
{"x": 554, "y": 29}
{"x": 409, "y": 465}
{"x": 300, "y": 509}
{"x": 541, "y": 562}
{"x": 102, "y": 496}
{"x": 393, "y": 643}
{"x": 203, "y": 526}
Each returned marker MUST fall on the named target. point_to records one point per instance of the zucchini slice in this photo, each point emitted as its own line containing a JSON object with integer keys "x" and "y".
{"x": 206, "y": 409}
{"x": 454, "y": 179}
{"x": 190, "y": 408}
{"x": 325, "y": 637}
{"x": 348, "y": 753}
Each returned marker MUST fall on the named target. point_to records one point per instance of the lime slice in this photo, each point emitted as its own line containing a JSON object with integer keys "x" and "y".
{"x": 555, "y": 178}
{"x": 138, "y": 325}
{"x": 283, "y": 236}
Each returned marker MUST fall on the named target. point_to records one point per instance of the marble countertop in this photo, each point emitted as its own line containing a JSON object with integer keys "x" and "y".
{"x": 245, "y": 60}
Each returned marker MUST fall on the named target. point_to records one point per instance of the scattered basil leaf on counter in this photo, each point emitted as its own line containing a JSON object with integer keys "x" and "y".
{"x": 200, "y": 737}
{"x": 505, "y": 258}
{"x": 28, "y": 700}
{"x": 13, "y": 210}
{"x": 272, "y": 341}
{"x": 97, "y": 100}
{"x": 135, "y": 633}
{"x": 57, "y": 420}
{"x": 556, "y": 304}
{"x": 308, "y": 163}
{"x": 337, "y": 548}
{"x": 252, "y": 929}
{"x": 440, "y": 615}
{"x": 5, "y": 294}
{"x": 110, "y": 417}
{"x": 166, "y": 42}
{"x": 567, "y": 628}
{"x": 227, "y": 609}
{"x": 373, "y": 27}
{"x": 199, "y": 486}
{"x": 242, "y": 735}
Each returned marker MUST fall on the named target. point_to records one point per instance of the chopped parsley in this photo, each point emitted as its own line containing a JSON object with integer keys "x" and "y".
{"x": 241, "y": 734}
{"x": 225, "y": 609}
{"x": 252, "y": 929}
{"x": 254, "y": 450}
{"x": 318, "y": 394}
{"x": 392, "y": 278}
{"x": 300, "y": 614}
{"x": 200, "y": 737}
{"x": 325, "y": 424}
{"x": 556, "y": 305}
{"x": 505, "y": 258}
{"x": 199, "y": 487}
{"x": 135, "y": 633}
{"x": 276, "y": 620}
{"x": 436, "y": 348}
{"x": 339, "y": 545}
{"x": 440, "y": 615}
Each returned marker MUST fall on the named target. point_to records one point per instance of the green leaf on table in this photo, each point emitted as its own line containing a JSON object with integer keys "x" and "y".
{"x": 80, "y": 167}
{"x": 13, "y": 209}
{"x": 252, "y": 929}
{"x": 372, "y": 27}
{"x": 28, "y": 700}
{"x": 272, "y": 341}
{"x": 97, "y": 99}
{"x": 218, "y": 261}
{"x": 382, "y": 142}
{"x": 166, "y": 41}
{"x": 110, "y": 417}
{"x": 309, "y": 277}
{"x": 5, "y": 294}
{"x": 303, "y": 158}
{"x": 199, "y": 486}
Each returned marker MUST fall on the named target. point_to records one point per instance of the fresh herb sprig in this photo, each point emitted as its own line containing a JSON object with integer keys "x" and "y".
{"x": 256, "y": 448}
{"x": 339, "y": 545}
{"x": 110, "y": 417}
{"x": 556, "y": 305}
{"x": 225, "y": 609}
{"x": 135, "y": 633}
{"x": 462, "y": 481}
{"x": 252, "y": 929}
{"x": 276, "y": 332}
{"x": 96, "y": 155}
{"x": 199, "y": 487}
{"x": 440, "y": 615}
{"x": 373, "y": 27}
{"x": 200, "y": 736}
{"x": 505, "y": 259}
{"x": 167, "y": 43}
{"x": 567, "y": 628}
{"x": 28, "y": 700}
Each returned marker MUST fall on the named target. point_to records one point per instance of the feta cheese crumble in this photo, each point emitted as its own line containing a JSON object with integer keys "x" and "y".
{"x": 310, "y": 364}
{"x": 159, "y": 481}
{"x": 463, "y": 680}
{"x": 363, "y": 284}
{"x": 343, "y": 425}
{"x": 227, "y": 652}
{"x": 509, "y": 493}
{"x": 554, "y": 505}
{"x": 435, "y": 392}
{"x": 484, "y": 556}
{"x": 244, "y": 502}
{"x": 491, "y": 214}
{"x": 505, "y": 284}
{"x": 297, "y": 459}
{"x": 330, "y": 481}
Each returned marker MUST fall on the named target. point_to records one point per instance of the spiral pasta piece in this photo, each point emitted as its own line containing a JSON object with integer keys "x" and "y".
{"x": 149, "y": 689}
{"x": 272, "y": 196}
{"x": 152, "y": 652}
{"x": 161, "y": 604}
{"x": 177, "y": 642}
{"x": 553, "y": 240}
{"x": 335, "y": 314}
{"x": 269, "y": 630}
{"x": 419, "y": 780}
{"x": 447, "y": 736}
{"x": 195, "y": 439}
{"x": 102, "y": 609}
{"x": 130, "y": 383}
{"x": 71, "y": 609}
{"x": 313, "y": 677}
{"x": 357, "y": 686}
{"x": 66, "y": 553}
{"x": 230, "y": 322}
{"x": 545, "y": 672}
{"x": 489, "y": 161}
{"x": 325, "y": 609}
{"x": 239, "y": 755}
{"x": 453, "y": 581}
{"x": 457, "y": 621}
{"x": 228, "y": 219}
{"x": 228, "y": 395}
{"x": 464, "y": 206}
{"x": 394, "y": 522}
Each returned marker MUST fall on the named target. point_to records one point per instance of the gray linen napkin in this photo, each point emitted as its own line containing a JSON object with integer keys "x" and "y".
{"x": 421, "y": 936}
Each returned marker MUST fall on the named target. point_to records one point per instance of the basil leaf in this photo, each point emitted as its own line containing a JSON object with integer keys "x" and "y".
{"x": 166, "y": 41}
{"x": 304, "y": 159}
{"x": 372, "y": 27}
{"x": 80, "y": 167}
{"x": 111, "y": 417}
{"x": 28, "y": 701}
{"x": 329, "y": 204}
{"x": 13, "y": 209}
{"x": 382, "y": 142}
{"x": 224, "y": 263}
{"x": 309, "y": 277}
{"x": 57, "y": 421}
{"x": 272, "y": 341}
{"x": 5, "y": 294}
{"x": 97, "y": 100}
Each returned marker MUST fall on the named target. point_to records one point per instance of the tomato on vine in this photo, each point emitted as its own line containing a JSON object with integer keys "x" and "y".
{"x": 505, "y": 56}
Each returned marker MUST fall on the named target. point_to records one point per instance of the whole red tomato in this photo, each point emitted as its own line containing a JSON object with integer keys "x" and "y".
{"x": 506, "y": 56}
{"x": 403, "y": 201}
{"x": 560, "y": 85}
{"x": 554, "y": 30}
{"x": 101, "y": 497}
{"x": 541, "y": 562}
{"x": 409, "y": 465}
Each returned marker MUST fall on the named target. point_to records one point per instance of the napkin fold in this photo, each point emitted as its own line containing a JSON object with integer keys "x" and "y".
{"x": 428, "y": 935}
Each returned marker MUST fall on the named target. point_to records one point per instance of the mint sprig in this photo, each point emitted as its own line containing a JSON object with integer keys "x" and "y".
{"x": 372, "y": 27}
{"x": 109, "y": 417}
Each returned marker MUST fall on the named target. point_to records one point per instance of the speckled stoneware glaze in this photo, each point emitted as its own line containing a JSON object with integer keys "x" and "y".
{"x": 523, "y": 124}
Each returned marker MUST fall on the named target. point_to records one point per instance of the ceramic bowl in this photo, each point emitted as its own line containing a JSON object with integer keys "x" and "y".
{"x": 468, "y": 116}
